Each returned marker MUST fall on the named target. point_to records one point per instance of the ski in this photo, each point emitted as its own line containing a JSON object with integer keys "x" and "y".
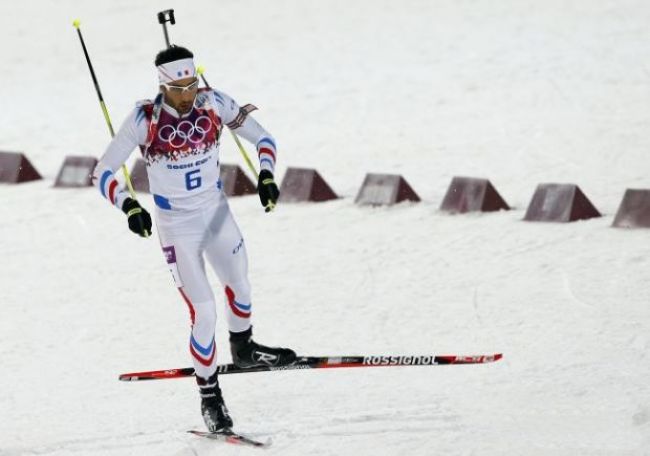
{"x": 231, "y": 437}
{"x": 322, "y": 362}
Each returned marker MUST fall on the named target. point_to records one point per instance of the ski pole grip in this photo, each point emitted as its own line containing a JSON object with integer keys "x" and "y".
{"x": 166, "y": 16}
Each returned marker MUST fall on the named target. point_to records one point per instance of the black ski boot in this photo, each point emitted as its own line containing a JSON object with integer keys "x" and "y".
{"x": 213, "y": 408}
{"x": 215, "y": 414}
{"x": 248, "y": 353}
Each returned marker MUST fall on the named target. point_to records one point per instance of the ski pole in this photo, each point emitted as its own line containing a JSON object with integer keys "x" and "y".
{"x": 163, "y": 18}
{"x": 247, "y": 159}
{"x": 76, "y": 23}
{"x": 168, "y": 16}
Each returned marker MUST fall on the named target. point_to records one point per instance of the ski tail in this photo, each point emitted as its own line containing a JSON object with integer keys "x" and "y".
{"x": 323, "y": 362}
{"x": 231, "y": 437}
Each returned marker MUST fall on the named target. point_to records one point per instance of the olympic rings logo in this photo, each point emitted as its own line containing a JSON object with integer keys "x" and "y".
{"x": 185, "y": 132}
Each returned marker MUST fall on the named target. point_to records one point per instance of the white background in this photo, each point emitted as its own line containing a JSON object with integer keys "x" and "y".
{"x": 518, "y": 91}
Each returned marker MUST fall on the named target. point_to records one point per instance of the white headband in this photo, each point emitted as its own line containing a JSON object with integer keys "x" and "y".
{"x": 178, "y": 69}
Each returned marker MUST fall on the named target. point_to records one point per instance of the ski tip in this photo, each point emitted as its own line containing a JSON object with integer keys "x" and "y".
{"x": 475, "y": 359}
{"x": 76, "y": 23}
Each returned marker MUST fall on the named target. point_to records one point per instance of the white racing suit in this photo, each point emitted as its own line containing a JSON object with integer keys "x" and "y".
{"x": 192, "y": 214}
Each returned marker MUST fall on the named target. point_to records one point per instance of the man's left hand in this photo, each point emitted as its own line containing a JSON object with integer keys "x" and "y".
{"x": 267, "y": 190}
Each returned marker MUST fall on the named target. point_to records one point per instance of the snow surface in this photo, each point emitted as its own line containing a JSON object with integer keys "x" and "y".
{"x": 519, "y": 91}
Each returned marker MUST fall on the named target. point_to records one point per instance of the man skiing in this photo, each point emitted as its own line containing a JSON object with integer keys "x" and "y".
{"x": 178, "y": 134}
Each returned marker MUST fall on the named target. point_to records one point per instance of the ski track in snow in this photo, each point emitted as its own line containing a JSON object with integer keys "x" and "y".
{"x": 518, "y": 91}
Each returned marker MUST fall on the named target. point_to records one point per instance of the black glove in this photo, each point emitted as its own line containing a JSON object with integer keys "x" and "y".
{"x": 267, "y": 190}
{"x": 139, "y": 218}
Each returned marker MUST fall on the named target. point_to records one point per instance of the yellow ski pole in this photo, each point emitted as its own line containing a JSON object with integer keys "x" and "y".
{"x": 245, "y": 155}
{"x": 76, "y": 23}
{"x": 247, "y": 159}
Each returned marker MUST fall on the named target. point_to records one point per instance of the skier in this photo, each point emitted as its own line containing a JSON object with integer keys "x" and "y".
{"x": 178, "y": 134}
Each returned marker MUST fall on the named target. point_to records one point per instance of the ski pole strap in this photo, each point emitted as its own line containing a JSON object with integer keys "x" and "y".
{"x": 134, "y": 211}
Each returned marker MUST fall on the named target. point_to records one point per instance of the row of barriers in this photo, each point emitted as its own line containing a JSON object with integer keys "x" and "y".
{"x": 550, "y": 202}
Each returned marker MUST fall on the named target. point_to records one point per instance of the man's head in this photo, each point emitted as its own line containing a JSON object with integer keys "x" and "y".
{"x": 177, "y": 76}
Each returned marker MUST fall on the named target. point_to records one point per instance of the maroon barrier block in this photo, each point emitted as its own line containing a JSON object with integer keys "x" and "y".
{"x": 469, "y": 194}
{"x": 385, "y": 189}
{"x": 139, "y": 177}
{"x": 559, "y": 203}
{"x": 303, "y": 184}
{"x": 76, "y": 171}
{"x": 16, "y": 168}
{"x": 235, "y": 182}
{"x": 634, "y": 211}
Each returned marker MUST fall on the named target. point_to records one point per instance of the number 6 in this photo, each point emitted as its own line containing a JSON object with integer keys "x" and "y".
{"x": 192, "y": 182}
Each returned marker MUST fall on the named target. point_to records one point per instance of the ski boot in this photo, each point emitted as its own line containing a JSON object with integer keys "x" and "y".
{"x": 215, "y": 414}
{"x": 248, "y": 353}
{"x": 213, "y": 408}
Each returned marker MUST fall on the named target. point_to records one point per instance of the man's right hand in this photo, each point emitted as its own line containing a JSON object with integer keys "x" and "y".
{"x": 139, "y": 218}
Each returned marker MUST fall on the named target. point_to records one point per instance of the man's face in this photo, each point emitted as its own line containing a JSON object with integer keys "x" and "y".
{"x": 180, "y": 94}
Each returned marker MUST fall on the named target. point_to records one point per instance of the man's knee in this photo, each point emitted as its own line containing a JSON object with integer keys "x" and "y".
{"x": 205, "y": 314}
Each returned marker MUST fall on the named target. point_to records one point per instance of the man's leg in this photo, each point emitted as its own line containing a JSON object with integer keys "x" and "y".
{"x": 183, "y": 251}
{"x": 186, "y": 263}
{"x": 226, "y": 252}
